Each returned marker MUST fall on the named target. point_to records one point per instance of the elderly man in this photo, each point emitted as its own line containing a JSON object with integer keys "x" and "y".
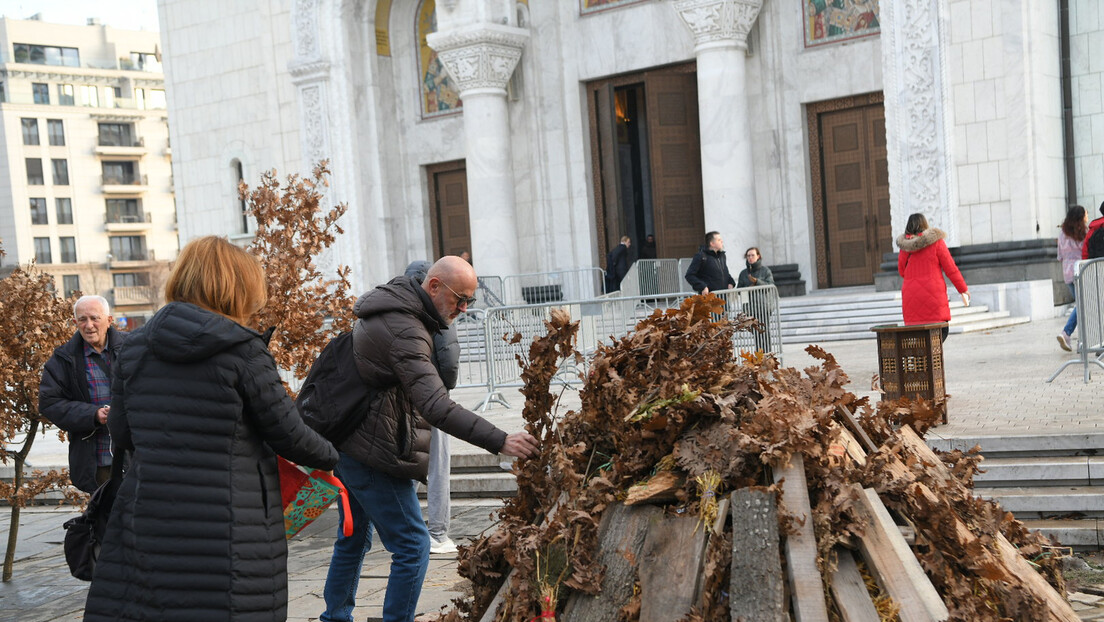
{"x": 75, "y": 393}
{"x": 381, "y": 459}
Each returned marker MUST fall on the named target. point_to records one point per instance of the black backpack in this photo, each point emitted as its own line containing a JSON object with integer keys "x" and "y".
{"x": 334, "y": 400}
{"x": 1095, "y": 246}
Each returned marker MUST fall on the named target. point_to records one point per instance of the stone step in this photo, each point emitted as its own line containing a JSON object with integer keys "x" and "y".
{"x": 1083, "y": 533}
{"x": 1041, "y": 471}
{"x": 982, "y": 324}
{"x": 1039, "y": 445}
{"x": 1039, "y": 502}
{"x": 869, "y": 297}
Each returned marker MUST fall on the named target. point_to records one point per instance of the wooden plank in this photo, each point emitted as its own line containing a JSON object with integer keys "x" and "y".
{"x": 661, "y": 488}
{"x": 852, "y": 446}
{"x": 757, "y": 590}
{"x": 801, "y": 552}
{"x": 848, "y": 588}
{"x": 620, "y": 540}
{"x": 670, "y": 568}
{"x": 852, "y": 424}
{"x": 893, "y": 563}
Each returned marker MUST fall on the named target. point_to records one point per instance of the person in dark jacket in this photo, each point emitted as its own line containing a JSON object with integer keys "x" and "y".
{"x": 708, "y": 271}
{"x": 617, "y": 264}
{"x": 922, "y": 262}
{"x": 446, "y": 357}
{"x": 75, "y": 392}
{"x": 197, "y": 529}
{"x": 755, "y": 273}
{"x": 380, "y": 461}
{"x": 648, "y": 247}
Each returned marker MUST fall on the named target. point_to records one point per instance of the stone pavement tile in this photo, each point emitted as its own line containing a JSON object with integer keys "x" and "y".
{"x": 1087, "y": 599}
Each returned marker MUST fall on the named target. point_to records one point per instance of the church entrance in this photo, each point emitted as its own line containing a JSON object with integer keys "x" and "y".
{"x": 448, "y": 208}
{"x": 847, "y": 149}
{"x": 647, "y": 160}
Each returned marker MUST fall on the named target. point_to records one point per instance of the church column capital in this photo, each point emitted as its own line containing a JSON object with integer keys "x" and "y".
{"x": 480, "y": 57}
{"x": 719, "y": 23}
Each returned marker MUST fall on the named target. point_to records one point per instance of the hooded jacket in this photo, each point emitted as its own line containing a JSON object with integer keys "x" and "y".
{"x": 393, "y": 347}
{"x": 197, "y": 529}
{"x": 66, "y": 400}
{"x": 921, "y": 263}
{"x": 709, "y": 268}
{"x": 762, "y": 274}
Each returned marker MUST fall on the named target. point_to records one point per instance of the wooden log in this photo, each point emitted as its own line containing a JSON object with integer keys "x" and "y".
{"x": 757, "y": 590}
{"x": 801, "y": 552}
{"x": 620, "y": 541}
{"x": 849, "y": 590}
{"x": 852, "y": 424}
{"x": 852, "y": 446}
{"x": 670, "y": 568}
{"x": 661, "y": 488}
{"x": 893, "y": 563}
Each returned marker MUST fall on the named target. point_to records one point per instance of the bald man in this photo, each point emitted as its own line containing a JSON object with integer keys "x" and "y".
{"x": 381, "y": 460}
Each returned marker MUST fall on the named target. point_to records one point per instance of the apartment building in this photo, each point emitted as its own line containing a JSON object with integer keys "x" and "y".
{"x": 86, "y": 184}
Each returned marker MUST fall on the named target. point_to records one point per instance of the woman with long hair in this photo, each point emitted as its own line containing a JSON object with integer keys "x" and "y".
{"x": 922, "y": 262}
{"x": 1072, "y": 234}
{"x": 197, "y": 529}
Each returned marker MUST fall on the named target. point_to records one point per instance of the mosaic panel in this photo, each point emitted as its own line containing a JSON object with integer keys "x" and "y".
{"x": 439, "y": 94}
{"x": 829, "y": 21}
{"x": 593, "y": 6}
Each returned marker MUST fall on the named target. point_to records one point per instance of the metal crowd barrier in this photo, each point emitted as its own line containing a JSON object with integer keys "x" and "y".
{"x": 1089, "y": 280}
{"x": 489, "y": 293}
{"x": 554, "y": 286}
{"x": 655, "y": 276}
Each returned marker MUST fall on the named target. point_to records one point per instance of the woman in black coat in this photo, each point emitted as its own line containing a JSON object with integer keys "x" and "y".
{"x": 197, "y": 530}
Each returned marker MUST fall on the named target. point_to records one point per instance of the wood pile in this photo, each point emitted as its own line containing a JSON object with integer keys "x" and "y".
{"x": 694, "y": 485}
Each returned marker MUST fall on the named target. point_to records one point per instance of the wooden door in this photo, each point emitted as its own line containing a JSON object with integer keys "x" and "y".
{"x": 448, "y": 193}
{"x": 675, "y": 154}
{"x": 856, "y": 193}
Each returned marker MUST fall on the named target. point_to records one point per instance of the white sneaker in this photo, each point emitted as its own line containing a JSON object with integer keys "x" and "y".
{"x": 1063, "y": 341}
{"x": 442, "y": 547}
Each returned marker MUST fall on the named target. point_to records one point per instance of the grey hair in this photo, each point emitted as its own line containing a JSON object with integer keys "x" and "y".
{"x": 99, "y": 299}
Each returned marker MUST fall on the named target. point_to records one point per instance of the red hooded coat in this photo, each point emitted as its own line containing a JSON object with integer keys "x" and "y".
{"x": 922, "y": 261}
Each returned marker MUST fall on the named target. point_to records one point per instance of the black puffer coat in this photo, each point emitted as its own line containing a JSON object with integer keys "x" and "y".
{"x": 197, "y": 531}
{"x": 709, "y": 268}
{"x": 393, "y": 347}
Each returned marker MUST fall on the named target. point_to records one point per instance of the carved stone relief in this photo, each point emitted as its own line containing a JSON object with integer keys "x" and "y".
{"x": 719, "y": 21}
{"x": 480, "y": 57}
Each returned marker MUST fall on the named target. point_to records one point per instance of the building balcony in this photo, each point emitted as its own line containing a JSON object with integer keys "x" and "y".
{"x": 132, "y": 259}
{"x": 135, "y": 147}
{"x": 124, "y": 184}
{"x": 121, "y": 223}
{"x": 133, "y": 295}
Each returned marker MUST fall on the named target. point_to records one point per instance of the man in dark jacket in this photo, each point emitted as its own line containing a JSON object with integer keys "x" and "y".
{"x": 617, "y": 264}
{"x": 708, "y": 271}
{"x": 75, "y": 393}
{"x": 380, "y": 461}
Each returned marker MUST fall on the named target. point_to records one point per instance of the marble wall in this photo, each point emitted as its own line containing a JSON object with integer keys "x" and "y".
{"x": 1087, "y": 73}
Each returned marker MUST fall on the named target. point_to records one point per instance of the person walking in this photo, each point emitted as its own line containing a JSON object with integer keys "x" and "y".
{"x": 922, "y": 262}
{"x": 381, "y": 460}
{"x": 75, "y": 392}
{"x": 197, "y": 529}
{"x": 708, "y": 271}
{"x": 1070, "y": 238}
{"x": 617, "y": 264}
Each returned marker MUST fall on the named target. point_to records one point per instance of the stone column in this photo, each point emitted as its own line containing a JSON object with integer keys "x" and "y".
{"x": 720, "y": 29}
{"x": 480, "y": 58}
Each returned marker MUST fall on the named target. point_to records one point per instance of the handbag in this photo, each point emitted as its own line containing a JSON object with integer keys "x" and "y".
{"x": 306, "y": 494}
{"x": 84, "y": 534}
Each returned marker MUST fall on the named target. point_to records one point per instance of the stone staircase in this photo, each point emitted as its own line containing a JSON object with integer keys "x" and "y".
{"x": 849, "y": 313}
{"x": 1054, "y": 483}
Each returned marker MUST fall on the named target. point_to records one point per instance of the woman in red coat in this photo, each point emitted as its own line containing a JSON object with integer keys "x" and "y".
{"x": 923, "y": 260}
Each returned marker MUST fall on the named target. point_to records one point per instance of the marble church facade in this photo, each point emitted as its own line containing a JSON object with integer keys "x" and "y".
{"x": 538, "y": 132}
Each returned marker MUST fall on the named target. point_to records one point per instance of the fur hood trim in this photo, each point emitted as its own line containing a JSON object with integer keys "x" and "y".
{"x": 913, "y": 243}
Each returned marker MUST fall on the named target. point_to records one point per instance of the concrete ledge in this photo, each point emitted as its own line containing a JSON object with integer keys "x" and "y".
{"x": 1033, "y": 299}
{"x": 1036, "y": 444}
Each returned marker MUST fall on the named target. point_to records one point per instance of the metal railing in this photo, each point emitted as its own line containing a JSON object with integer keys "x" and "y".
{"x": 124, "y": 180}
{"x": 112, "y": 217}
{"x": 542, "y": 287}
{"x": 1089, "y": 281}
{"x": 655, "y": 276}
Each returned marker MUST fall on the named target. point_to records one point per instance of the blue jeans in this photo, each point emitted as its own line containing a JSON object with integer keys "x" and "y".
{"x": 1071, "y": 323}
{"x": 389, "y": 504}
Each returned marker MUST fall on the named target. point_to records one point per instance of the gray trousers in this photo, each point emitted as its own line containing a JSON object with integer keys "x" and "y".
{"x": 437, "y": 488}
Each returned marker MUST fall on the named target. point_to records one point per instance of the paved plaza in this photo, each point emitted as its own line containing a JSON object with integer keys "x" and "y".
{"x": 997, "y": 381}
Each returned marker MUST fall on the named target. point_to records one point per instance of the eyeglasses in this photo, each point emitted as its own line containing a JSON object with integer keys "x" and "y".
{"x": 460, "y": 300}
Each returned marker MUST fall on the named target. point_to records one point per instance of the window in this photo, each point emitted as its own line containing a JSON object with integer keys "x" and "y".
{"x": 128, "y": 248}
{"x": 131, "y": 279}
{"x": 157, "y": 99}
{"x": 3, "y": 93}
{"x": 38, "y": 211}
{"x": 46, "y": 55}
{"x": 143, "y": 61}
{"x": 140, "y": 99}
{"x": 68, "y": 249}
{"x": 116, "y": 135}
{"x": 70, "y": 284}
{"x": 61, "y": 172}
{"x": 120, "y": 173}
{"x": 63, "y": 209}
{"x": 110, "y": 93}
{"x": 30, "y": 131}
{"x": 90, "y": 96}
{"x": 34, "y": 172}
{"x": 65, "y": 95}
{"x": 42, "y": 250}
{"x": 41, "y": 93}
{"x": 124, "y": 210}
{"x": 56, "y": 130}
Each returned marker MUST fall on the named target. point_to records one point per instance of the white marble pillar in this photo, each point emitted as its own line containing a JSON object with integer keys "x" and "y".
{"x": 480, "y": 58}
{"x": 720, "y": 29}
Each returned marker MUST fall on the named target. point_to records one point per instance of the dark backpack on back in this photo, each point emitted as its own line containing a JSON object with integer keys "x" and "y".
{"x": 334, "y": 400}
{"x": 1096, "y": 244}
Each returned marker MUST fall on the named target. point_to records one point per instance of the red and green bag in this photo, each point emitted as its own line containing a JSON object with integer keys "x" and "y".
{"x": 306, "y": 494}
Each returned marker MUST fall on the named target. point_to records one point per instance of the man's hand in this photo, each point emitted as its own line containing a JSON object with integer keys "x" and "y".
{"x": 101, "y": 415}
{"x": 520, "y": 445}
{"x": 705, "y": 290}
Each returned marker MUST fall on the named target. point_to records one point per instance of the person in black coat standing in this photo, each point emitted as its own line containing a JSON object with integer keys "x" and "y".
{"x": 75, "y": 392}
{"x": 617, "y": 264}
{"x": 197, "y": 529}
{"x": 708, "y": 271}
